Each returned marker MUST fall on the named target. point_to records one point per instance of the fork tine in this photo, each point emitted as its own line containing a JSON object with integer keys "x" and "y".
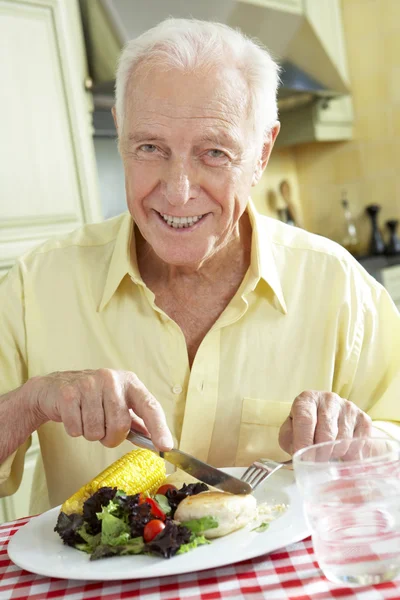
{"x": 246, "y": 475}
{"x": 257, "y": 473}
{"x": 262, "y": 476}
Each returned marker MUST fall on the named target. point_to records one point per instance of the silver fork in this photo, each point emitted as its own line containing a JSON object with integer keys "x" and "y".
{"x": 261, "y": 469}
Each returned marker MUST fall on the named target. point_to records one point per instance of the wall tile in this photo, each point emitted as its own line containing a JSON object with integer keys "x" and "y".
{"x": 348, "y": 164}
{"x": 377, "y": 157}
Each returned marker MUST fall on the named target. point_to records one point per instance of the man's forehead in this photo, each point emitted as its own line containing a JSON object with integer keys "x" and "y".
{"x": 218, "y": 132}
{"x": 177, "y": 95}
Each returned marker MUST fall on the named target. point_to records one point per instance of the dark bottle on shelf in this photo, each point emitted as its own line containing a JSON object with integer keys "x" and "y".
{"x": 393, "y": 245}
{"x": 376, "y": 245}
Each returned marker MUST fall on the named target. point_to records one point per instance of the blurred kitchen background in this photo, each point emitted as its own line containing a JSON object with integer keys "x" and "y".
{"x": 335, "y": 169}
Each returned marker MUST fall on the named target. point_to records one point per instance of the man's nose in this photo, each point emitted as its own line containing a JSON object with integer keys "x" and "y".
{"x": 178, "y": 183}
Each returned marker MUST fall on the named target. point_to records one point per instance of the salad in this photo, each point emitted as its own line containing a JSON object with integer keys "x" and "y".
{"x": 114, "y": 523}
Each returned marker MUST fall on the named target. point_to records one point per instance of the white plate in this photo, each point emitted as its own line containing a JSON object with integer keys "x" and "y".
{"x": 37, "y": 548}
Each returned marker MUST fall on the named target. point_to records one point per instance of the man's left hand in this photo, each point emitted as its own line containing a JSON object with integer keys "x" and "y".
{"x": 317, "y": 417}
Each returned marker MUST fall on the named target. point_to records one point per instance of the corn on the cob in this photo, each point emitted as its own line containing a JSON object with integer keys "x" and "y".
{"x": 135, "y": 472}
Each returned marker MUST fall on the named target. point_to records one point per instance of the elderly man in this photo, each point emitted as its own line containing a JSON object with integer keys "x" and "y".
{"x": 191, "y": 316}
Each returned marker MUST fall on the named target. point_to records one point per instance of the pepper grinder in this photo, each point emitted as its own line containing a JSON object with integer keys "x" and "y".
{"x": 393, "y": 245}
{"x": 376, "y": 245}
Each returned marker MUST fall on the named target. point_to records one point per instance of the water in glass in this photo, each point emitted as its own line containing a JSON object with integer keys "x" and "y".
{"x": 355, "y": 524}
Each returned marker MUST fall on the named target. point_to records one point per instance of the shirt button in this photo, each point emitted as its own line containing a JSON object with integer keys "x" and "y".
{"x": 177, "y": 389}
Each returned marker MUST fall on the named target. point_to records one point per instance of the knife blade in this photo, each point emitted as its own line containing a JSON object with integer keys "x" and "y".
{"x": 193, "y": 466}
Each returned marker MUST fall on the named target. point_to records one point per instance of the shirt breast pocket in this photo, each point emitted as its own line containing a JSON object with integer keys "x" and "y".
{"x": 259, "y": 428}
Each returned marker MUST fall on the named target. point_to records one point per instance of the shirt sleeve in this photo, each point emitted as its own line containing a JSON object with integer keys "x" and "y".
{"x": 13, "y": 365}
{"x": 376, "y": 369}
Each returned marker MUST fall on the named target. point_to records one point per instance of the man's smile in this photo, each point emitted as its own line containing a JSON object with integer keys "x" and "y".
{"x": 181, "y": 222}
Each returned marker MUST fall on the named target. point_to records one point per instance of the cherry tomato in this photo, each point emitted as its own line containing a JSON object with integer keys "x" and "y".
{"x": 164, "y": 488}
{"x": 155, "y": 509}
{"x": 153, "y": 528}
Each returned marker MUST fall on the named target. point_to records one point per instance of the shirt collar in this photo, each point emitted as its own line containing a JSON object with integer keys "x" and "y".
{"x": 262, "y": 266}
{"x": 123, "y": 261}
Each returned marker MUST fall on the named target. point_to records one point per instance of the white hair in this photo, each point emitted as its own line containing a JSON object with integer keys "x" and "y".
{"x": 190, "y": 44}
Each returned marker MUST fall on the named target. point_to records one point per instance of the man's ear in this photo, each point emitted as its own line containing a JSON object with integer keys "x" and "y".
{"x": 114, "y": 114}
{"x": 266, "y": 153}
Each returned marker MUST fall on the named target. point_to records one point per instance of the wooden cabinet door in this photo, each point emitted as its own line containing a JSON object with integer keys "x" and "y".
{"x": 47, "y": 165}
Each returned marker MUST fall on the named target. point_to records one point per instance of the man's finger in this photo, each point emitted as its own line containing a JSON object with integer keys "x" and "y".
{"x": 286, "y": 436}
{"x": 70, "y": 411}
{"x": 146, "y": 407}
{"x": 92, "y": 413}
{"x": 326, "y": 430}
{"x": 117, "y": 417}
{"x": 138, "y": 424}
{"x": 304, "y": 415}
{"x": 347, "y": 423}
{"x": 327, "y": 426}
{"x": 363, "y": 426}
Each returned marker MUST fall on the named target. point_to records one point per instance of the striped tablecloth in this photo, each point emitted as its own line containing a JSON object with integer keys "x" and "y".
{"x": 289, "y": 574}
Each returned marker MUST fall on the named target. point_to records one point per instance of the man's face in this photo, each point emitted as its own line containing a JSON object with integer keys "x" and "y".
{"x": 190, "y": 158}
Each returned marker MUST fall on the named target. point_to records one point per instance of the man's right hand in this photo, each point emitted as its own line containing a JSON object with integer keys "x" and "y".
{"x": 100, "y": 405}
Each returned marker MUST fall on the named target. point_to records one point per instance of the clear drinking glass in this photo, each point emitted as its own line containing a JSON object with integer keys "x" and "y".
{"x": 351, "y": 492}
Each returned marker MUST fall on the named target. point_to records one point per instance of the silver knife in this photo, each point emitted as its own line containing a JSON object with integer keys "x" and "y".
{"x": 195, "y": 467}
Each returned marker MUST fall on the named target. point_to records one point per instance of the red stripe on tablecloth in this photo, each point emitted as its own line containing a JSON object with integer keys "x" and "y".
{"x": 286, "y": 569}
{"x": 37, "y": 580}
{"x": 16, "y": 524}
{"x": 22, "y": 573}
{"x": 253, "y": 589}
{"x": 5, "y": 563}
{"x": 386, "y": 585}
{"x": 339, "y": 593}
{"x": 64, "y": 592}
{"x": 292, "y": 583}
{"x": 211, "y": 595}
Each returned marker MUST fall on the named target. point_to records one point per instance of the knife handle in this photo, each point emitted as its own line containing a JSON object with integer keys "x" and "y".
{"x": 141, "y": 440}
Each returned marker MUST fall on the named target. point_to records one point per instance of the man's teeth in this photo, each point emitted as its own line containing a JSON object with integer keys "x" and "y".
{"x": 181, "y": 222}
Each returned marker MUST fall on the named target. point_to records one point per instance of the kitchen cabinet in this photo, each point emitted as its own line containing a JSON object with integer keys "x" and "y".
{"x": 47, "y": 165}
{"x": 319, "y": 121}
{"x": 323, "y": 119}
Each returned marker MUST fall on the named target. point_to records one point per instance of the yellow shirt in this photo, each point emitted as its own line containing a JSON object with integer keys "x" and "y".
{"x": 306, "y": 316}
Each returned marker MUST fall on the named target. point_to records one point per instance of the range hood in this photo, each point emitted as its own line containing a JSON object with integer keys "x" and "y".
{"x": 310, "y": 69}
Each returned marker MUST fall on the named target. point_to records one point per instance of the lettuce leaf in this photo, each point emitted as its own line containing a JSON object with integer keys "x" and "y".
{"x": 68, "y": 527}
{"x": 262, "y": 527}
{"x": 114, "y": 531}
{"x": 132, "y": 546}
{"x": 169, "y": 540}
{"x": 84, "y": 548}
{"x": 94, "y": 505}
{"x": 200, "y": 525}
{"x": 195, "y": 540}
{"x": 92, "y": 541}
{"x": 163, "y": 503}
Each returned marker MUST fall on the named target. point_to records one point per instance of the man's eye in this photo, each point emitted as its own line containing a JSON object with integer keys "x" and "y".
{"x": 216, "y": 153}
{"x": 150, "y": 148}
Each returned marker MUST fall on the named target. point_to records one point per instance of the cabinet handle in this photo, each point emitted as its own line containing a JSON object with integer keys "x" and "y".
{"x": 88, "y": 83}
